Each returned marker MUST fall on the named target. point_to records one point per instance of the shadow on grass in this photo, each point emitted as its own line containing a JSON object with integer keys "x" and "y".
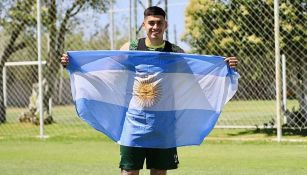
{"x": 272, "y": 132}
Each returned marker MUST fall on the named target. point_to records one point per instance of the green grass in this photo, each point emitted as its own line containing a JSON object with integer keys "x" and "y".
{"x": 101, "y": 157}
{"x": 75, "y": 148}
{"x": 251, "y": 112}
{"x": 68, "y": 125}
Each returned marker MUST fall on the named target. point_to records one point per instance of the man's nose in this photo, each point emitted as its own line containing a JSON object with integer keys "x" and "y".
{"x": 155, "y": 26}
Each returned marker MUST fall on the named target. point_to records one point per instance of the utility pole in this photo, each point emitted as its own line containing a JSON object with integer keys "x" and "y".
{"x": 136, "y": 18}
{"x": 130, "y": 6}
{"x": 175, "y": 34}
{"x": 149, "y": 3}
{"x": 111, "y": 26}
{"x": 166, "y": 12}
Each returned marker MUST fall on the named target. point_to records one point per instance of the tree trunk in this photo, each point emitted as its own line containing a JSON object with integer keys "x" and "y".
{"x": 8, "y": 51}
{"x": 57, "y": 40}
{"x": 52, "y": 67}
{"x": 2, "y": 107}
{"x": 303, "y": 92}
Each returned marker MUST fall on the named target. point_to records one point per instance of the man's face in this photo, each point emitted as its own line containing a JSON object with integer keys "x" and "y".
{"x": 155, "y": 26}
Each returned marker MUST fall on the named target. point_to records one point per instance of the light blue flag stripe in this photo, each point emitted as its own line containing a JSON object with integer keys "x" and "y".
{"x": 115, "y": 96}
{"x": 146, "y": 61}
{"x": 161, "y": 130}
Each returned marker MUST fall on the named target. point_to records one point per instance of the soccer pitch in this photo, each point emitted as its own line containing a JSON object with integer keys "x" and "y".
{"x": 75, "y": 148}
{"x": 101, "y": 157}
{"x": 236, "y": 113}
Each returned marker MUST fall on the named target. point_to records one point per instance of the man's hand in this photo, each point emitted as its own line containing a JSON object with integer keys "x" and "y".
{"x": 64, "y": 60}
{"x": 232, "y": 62}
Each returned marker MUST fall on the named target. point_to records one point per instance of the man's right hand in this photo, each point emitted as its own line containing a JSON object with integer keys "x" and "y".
{"x": 64, "y": 60}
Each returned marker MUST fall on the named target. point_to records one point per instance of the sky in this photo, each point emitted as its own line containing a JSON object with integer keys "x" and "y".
{"x": 176, "y": 10}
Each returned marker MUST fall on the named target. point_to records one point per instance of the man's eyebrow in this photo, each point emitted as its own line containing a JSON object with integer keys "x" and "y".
{"x": 153, "y": 20}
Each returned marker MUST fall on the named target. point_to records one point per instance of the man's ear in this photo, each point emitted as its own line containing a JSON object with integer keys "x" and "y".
{"x": 143, "y": 24}
{"x": 166, "y": 25}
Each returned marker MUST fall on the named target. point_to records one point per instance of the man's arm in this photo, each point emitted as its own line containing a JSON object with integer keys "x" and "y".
{"x": 64, "y": 59}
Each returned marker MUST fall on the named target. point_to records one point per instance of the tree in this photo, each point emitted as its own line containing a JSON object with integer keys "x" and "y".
{"x": 246, "y": 28}
{"x": 293, "y": 45}
{"x": 236, "y": 27}
{"x": 21, "y": 18}
{"x": 57, "y": 36}
{"x": 16, "y": 21}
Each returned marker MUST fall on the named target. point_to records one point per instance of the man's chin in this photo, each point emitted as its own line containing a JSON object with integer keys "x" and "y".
{"x": 155, "y": 36}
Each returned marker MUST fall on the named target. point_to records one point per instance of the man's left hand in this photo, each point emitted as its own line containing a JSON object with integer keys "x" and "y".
{"x": 232, "y": 62}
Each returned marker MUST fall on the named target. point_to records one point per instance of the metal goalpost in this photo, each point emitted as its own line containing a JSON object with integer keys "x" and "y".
{"x": 4, "y": 75}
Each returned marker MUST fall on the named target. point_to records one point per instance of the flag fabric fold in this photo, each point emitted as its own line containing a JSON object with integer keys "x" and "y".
{"x": 150, "y": 99}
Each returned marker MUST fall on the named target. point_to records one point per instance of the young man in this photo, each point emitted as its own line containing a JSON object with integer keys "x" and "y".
{"x": 157, "y": 160}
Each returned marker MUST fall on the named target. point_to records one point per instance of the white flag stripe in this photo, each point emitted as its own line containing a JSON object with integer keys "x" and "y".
{"x": 215, "y": 89}
{"x": 105, "y": 86}
{"x": 110, "y": 86}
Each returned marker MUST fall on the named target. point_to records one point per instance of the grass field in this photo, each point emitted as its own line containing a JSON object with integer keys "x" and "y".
{"x": 236, "y": 113}
{"x": 100, "y": 157}
{"x": 73, "y": 148}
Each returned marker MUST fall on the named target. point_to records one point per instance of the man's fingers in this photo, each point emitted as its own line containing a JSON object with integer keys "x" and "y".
{"x": 232, "y": 61}
{"x": 232, "y": 64}
{"x": 64, "y": 60}
{"x": 230, "y": 58}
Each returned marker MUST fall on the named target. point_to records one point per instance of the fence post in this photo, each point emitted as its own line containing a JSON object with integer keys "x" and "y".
{"x": 39, "y": 57}
{"x": 277, "y": 70}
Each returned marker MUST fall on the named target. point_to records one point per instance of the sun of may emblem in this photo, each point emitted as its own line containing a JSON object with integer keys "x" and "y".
{"x": 147, "y": 92}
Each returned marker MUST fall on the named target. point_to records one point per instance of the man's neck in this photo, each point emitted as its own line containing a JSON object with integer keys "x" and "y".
{"x": 153, "y": 42}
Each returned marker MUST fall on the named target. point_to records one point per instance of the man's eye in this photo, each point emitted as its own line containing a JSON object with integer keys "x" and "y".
{"x": 151, "y": 23}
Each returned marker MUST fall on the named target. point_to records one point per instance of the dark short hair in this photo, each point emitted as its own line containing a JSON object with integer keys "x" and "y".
{"x": 154, "y": 10}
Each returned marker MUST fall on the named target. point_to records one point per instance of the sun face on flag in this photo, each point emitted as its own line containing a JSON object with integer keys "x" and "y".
{"x": 147, "y": 92}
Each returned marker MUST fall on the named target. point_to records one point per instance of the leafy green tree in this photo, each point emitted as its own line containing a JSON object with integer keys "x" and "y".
{"x": 241, "y": 28}
{"x": 16, "y": 22}
{"x": 57, "y": 35}
{"x": 18, "y": 17}
{"x": 245, "y": 28}
{"x": 293, "y": 45}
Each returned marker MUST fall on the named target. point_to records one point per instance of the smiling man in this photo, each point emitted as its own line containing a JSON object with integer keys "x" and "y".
{"x": 158, "y": 160}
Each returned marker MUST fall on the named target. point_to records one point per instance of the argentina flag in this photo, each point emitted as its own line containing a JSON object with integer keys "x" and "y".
{"x": 150, "y": 99}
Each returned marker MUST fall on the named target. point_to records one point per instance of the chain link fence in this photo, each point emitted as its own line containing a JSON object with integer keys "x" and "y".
{"x": 237, "y": 27}
{"x": 246, "y": 29}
